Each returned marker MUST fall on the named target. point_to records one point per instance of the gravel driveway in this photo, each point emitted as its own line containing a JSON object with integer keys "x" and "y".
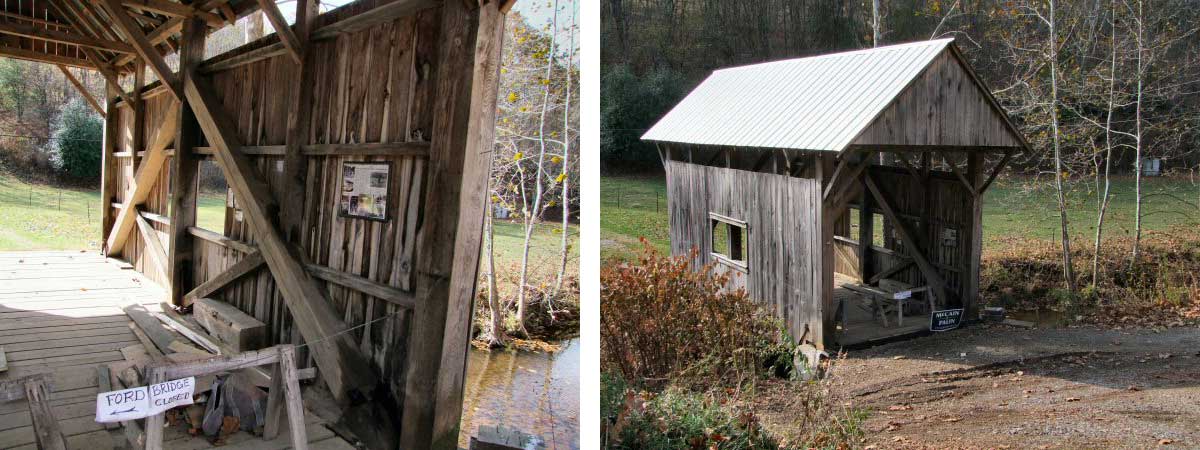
{"x": 996, "y": 386}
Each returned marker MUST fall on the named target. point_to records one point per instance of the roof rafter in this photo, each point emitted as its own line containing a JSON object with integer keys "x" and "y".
{"x": 97, "y": 62}
{"x": 144, "y": 48}
{"x": 33, "y": 32}
{"x": 282, "y": 29}
{"x": 169, "y": 8}
{"x": 158, "y": 36}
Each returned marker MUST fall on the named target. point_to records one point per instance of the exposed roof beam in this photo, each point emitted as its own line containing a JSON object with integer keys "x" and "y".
{"x": 169, "y": 8}
{"x": 82, "y": 90}
{"x": 30, "y": 55}
{"x": 33, "y": 32}
{"x": 160, "y": 34}
{"x": 143, "y": 46}
{"x": 49, "y": 23}
{"x": 97, "y": 17}
{"x": 281, "y": 28}
{"x": 97, "y": 62}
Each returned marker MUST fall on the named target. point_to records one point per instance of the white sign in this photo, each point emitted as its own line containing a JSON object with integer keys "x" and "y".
{"x": 144, "y": 401}
{"x": 126, "y": 404}
{"x": 902, "y": 295}
{"x": 164, "y": 396}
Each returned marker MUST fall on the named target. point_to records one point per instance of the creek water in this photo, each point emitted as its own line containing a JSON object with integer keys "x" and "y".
{"x": 534, "y": 392}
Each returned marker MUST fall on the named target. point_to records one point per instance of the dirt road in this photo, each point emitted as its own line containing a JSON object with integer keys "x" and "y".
{"x": 996, "y": 386}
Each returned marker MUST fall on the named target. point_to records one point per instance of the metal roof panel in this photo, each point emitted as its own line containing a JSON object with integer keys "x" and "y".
{"x": 814, "y": 103}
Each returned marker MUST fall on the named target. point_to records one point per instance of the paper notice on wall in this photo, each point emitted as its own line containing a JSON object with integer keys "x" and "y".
{"x": 125, "y": 404}
{"x": 164, "y": 396}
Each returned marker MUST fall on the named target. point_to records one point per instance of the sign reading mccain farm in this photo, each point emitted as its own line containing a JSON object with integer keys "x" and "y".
{"x": 945, "y": 320}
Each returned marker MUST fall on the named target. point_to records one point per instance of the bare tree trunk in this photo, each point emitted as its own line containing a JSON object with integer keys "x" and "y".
{"x": 1137, "y": 227}
{"x": 497, "y": 337}
{"x": 566, "y": 165}
{"x": 1068, "y": 270}
{"x": 1102, "y": 205}
{"x": 876, "y": 33}
{"x": 532, "y": 212}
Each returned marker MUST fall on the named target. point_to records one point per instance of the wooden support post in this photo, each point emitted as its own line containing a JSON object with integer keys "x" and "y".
{"x": 448, "y": 244}
{"x": 295, "y": 164}
{"x": 291, "y": 393}
{"x": 932, "y": 278}
{"x": 343, "y": 366}
{"x": 107, "y": 169}
{"x": 139, "y": 112}
{"x": 154, "y": 424}
{"x": 866, "y": 233}
{"x": 133, "y": 32}
{"x": 184, "y": 167}
{"x": 146, "y": 177}
{"x": 275, "y": 406}
{"x": 973, "y": 226}
{"x": 823, "y": 319}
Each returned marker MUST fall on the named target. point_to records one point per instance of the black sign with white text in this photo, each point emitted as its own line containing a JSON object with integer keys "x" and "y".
{"x": 945, "y": 320}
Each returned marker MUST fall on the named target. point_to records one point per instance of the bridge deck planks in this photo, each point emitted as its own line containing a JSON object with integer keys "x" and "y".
{"x": 60, "y": 313}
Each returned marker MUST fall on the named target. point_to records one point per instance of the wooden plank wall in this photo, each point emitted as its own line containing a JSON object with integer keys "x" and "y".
{"x": 949, "y": 208}
{"x": 782, "y": 230}
{"x": 126, "y": 166}
{"x": 932, "y": 110}
{"x": 370, "y": 86}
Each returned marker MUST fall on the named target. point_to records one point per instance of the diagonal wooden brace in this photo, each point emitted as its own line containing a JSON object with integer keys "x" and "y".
{"x": 934, "y": 279}
{"x": 147, "y": 175}
{"x": 133, "y": 32}
{"x": 345, "y": 369}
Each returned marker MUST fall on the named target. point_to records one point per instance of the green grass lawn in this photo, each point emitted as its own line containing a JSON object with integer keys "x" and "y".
{"x": 31, "y": 218}
{"x": 635, "y": 206}
{"x": 44, "y": 217}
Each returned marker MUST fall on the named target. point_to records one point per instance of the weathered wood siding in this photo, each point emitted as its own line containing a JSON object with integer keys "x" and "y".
{"x": 932, "y": 110}
{"x": 782, "y": 233}
{"x": 375, "y": 85}
{"x": 126, "y": 167}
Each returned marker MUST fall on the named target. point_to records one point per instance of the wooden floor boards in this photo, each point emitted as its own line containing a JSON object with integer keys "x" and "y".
{"x": 60, "y": 313}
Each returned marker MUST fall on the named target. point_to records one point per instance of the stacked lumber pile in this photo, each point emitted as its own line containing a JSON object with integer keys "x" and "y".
{"x": 167, "y": 337}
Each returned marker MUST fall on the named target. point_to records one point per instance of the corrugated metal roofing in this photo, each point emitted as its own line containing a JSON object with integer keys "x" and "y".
{"x": 815, "y": 103}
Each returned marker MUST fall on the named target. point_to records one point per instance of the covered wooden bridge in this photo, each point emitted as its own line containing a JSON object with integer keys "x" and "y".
{"x": 356, "y": 146}
{"x": 844, "y": 191}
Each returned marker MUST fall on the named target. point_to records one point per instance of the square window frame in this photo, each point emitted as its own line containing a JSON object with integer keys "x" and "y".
{"x": 744, "y": 263}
